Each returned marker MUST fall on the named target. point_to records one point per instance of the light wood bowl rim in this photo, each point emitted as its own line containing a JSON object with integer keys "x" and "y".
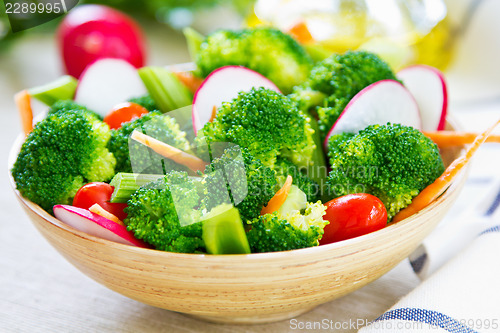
{"x": 354, "y": 242}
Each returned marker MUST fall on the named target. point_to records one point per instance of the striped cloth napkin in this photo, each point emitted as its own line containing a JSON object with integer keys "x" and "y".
{"x": 456, "y": 232}
{"x": 462, "y": 296}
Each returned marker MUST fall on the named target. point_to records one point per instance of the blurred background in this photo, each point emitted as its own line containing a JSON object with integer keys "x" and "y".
{"x": 458, "y": 36}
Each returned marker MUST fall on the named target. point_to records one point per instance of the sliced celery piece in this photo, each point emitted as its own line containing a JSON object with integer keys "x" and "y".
{"x": 165, "y": 88}
{"x": 194, "y": 40}
{"x": 61, "y": 89}
{"x": 126, "y": 184}
{"x": 223, "y": 231}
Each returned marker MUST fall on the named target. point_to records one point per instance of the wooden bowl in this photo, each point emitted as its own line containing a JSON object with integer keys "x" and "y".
{"x": 254, "y": 288}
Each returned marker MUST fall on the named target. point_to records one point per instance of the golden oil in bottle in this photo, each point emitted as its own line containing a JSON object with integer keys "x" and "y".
{"x": 403, "y": 32}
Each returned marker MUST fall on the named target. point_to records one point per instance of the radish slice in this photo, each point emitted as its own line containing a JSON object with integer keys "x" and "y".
{"x": 96, "y": 225}
{"x": 106, "y": 83}
{"x": 223, "y": 85}
{"x": 428, "y": 86}
{"x": 379, "y": 103}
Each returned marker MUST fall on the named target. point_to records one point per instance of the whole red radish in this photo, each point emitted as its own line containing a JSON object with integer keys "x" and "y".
{"x": 92, "y": 32}
{"x": 353, "y": 215}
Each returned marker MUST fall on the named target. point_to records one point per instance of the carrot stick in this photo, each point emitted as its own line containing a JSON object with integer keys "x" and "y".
{"x": 279, "y": 198}
{"x": 301, "y": 33}
{"x": 23, "y": 103}
{"x": 192, "y": 162}
{"x": 214, "y": 113}
{"x": 97, "y": 209}
{"x": 189, "y": 80}
{"x": 434, "y": 190}
{"x": 445, "y": 139}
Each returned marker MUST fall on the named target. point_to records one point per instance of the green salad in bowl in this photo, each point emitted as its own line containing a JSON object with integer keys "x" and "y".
{"x": 256, "y": 148}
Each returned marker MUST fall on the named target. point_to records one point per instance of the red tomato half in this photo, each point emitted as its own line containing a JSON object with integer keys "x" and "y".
{"x": 353, "y": 215}
{"x": 99, "y": 193}
{"x": 123, "y": 113}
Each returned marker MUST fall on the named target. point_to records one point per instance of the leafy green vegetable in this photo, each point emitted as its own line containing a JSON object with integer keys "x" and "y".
{"x": 155, "y": 213}
{"x": 392, "y": 162}
{"x": 146, "y": 102}
{"x": 334, "y": 82}
{"x": 62, "y": 153}
{"x": 283, "y": 231}
{"x": 238, "y": 178}
{"x": 268, "y": 124}
{"x": 268, "y": 51}
{"x": 144, "y": 160}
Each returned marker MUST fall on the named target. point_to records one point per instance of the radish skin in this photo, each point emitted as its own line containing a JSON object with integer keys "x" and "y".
{"x": 96, "y": 225}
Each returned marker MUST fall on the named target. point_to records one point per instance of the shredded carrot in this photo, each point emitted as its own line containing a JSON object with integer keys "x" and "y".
{"x": 97, "y": 209}
{"x": 192, "y": 162}
{"x": 23, "y": 103}
{"x": 434, "y": 190}
{"x": 301, "y": 33}
{"x": 279, "y": 198}
{"x": 189, "y": 80}
{"x": 445, "y": 139}
{"x": 214, "y": 113}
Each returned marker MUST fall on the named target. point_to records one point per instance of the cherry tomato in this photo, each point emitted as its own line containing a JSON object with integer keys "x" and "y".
{"x": 123, "y": 113}
{"x": 99, "y": 193}
{"x": 353, "y": 215}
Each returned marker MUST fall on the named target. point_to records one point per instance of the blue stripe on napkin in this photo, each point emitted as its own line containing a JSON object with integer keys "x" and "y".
{"x": 433, "y": 318}
{"x": 418, "y": 264}
{"x": 490, "y": 230}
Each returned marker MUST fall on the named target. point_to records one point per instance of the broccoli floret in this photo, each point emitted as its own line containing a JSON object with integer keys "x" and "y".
{"x": 62, "y": 153}
{"x": 248, "y": 182}
{"x": 283, "y": 232}
{"x": 392, "y": 162}
{"x": 153, "y": 214}
{"x": 285, "y": 167}
{"x": 267, "y": 123}
{"x": 146, "y": 102}
{"x": 334, "y": 82}
{"x": 156, "y": 125}
{"x": 268, "y": 51}
{"x": 71, "y": 106}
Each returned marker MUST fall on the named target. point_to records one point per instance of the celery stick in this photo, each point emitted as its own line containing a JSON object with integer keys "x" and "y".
{"x": 223, "y": 231}
{"x": 194, "y": 40}
{"x": 60, "y": 89}
{"x": 165, "y": 88}
{"x": 126, "y": 184}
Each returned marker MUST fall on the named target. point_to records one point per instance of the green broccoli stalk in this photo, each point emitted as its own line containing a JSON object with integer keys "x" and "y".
{"x": 392, "y": 162}
{"x": 268, "y": 51}
{"x": 166, "y": 214}
{"x": 288, "y": 228}
{"x": 223, "y": 231}
{"x": 238, "y": 178}
{"x": 334, "y": 82}
{"x": 63, "y": 152}
{"x": 267, "y": 123}
{"x": 155, "y": 124}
